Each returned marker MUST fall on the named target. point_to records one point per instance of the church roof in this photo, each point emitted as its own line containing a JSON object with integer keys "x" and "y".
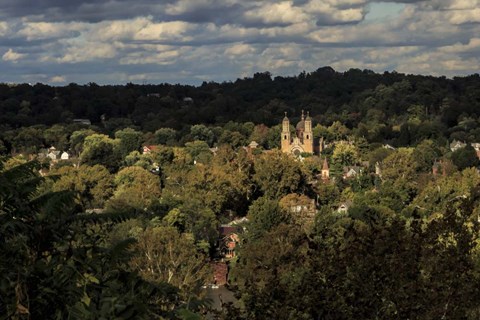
{"x": 308, "y": 117}
{"x": 325, "y": 164}
{"x": 301, "y": 124}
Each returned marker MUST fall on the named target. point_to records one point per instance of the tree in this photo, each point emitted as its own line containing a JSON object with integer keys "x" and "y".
{"x": 166, "y": 136}
{"x": 100, "y": 149}
{"x": 274, "y": 277}
{"x": 93, "y": 185}
{"x": 201, "y": 132}
{"x": 300, "y": 209}
{"x": 77, "y": 140}
{"x": 425, "y": 154}
{"x": 345, "y": 154}
{"x": 53, "y": 262}
{"x": 278, "y": 174}
{"x": 28, "y": 139}
{"x": 199, "y": 150}
{"x": 264, "y": 214}
{"x": 129, "y": 140}
{"x": 56, "y": 136}
{"x": 465, "y": 158}
{"x": 135, "y": 188}
{"x": 163, "y": 255}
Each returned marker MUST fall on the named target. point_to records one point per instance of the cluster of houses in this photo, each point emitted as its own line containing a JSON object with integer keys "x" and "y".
{"x": 456, "y": 145}
{"x": 53, "y": 154}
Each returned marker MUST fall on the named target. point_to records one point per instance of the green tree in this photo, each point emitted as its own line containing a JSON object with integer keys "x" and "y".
{"x": 345, "y": 154}
{"x": 54, "y": 264}
{"x": 28, "y": 140}
{"x": 202, "y": 133}
{"x": 93, "y": 185}
{"x": 57, "y": 136}
{"x": 465, "y": 158}
{"x": 425, "y": 154}
{"x": 100, "y": 149}
{"x": 129, "y": 140}
{"x": 163, "y": 255}
{"x": 166, "y": 136}
{"x": 135, "y": 188}
{"x": 77, "y": 140}
{"x": 278, "y": 174}
{"x": 199, "y": 150}
{"x": 264, "y": 214}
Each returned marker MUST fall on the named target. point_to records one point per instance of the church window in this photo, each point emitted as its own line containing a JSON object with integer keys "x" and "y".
{"x": 285, "y": 137}
{"x": 307, "y": 136}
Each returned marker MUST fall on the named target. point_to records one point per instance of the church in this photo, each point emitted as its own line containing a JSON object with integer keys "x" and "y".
{"x": 302, "y": 141}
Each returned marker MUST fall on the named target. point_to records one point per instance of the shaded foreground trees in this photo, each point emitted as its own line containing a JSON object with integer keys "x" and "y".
{"x": 55, "y": 264}
{"x": 371, "y": 266}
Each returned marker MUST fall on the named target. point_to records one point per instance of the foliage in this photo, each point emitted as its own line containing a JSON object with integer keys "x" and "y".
{"x": 465, "y": 158}
{"x": 54, "y": 264}
{"x": 278, "y": 174}
{"x": 136, "y": 188}
{"x": 92, "y": 185}
{"x": 163, "y": 255}
{"x": 100, "y": 149}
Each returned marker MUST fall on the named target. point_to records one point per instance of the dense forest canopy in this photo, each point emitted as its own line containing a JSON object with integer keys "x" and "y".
{"x": 329, "y": 95}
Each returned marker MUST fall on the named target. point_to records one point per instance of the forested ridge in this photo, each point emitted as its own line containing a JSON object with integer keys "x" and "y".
{"x": 125, "y": 201}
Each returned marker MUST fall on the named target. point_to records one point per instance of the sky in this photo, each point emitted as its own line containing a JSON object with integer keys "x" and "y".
{"x": 191, "y": 41}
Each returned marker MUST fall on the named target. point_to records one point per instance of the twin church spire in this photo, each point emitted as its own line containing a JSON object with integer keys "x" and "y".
{"x": 302, "y": 140}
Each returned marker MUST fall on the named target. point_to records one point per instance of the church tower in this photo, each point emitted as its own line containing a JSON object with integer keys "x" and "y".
{"x": 308, "y": 135}
{"x": 285, "y": 134}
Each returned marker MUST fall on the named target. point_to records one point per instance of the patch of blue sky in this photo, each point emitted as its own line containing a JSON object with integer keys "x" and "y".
{"x": 381, "y": 11}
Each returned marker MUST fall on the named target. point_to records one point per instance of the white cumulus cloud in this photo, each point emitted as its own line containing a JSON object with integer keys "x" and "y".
{"x": 12, "y": 56}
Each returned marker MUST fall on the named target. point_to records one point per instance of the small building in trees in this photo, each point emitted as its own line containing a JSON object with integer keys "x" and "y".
{"x": 352, "y": 171}
{"x": 302, "y": 140}
{"x": 228, "y": 239}
{"x": 149, "y": 149}
{"x": 325, "y": 170}
{"x": 456, "y": 145}
{"x": 344, "y": 206}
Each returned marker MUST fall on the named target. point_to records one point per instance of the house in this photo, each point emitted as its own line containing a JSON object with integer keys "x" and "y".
{"x": 54, "y": 155}
{"x": 188, "y": 100}
{"x": 387, "y": 146}
{"x": 344, "y": 206}
{"x": 476, "y": 146}
{"x": 64, "y": 156}
{"x": 352, "y": 172}
{"x": 455, "y": 145}
{"x": 213, "y": 150}
{"x": 82, "y": 121}
{"x": 228, "y": 240}
{"x": 301, "y": 209}
{"x": 253, "y": 145}
{"x": 148, "y": 149}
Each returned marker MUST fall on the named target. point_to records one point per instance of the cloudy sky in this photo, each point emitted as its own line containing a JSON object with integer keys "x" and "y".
{"x": 190, "y": 41}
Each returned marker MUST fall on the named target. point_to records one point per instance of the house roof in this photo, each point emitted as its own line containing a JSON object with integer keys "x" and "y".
{"x": 225, "y": 230}
{"x": 253, "y": 144}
